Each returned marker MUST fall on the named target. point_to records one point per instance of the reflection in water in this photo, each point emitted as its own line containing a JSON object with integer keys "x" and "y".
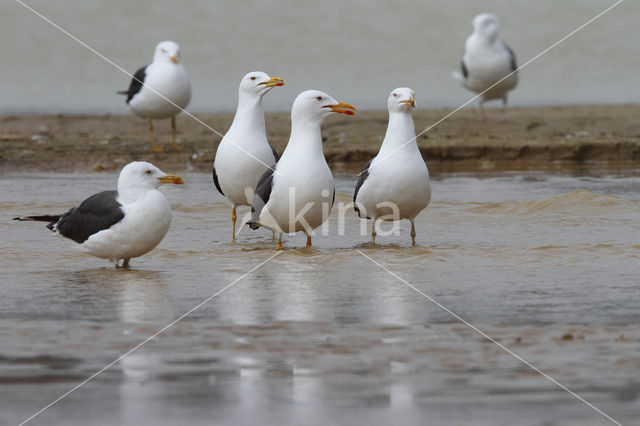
{"x": 324, "y": 333}
{"x": 144, "y": 298}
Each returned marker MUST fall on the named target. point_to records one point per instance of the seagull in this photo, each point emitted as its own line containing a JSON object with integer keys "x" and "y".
{"x": 298, "y": 194}
{"x": 394, "y": 184}
{"x": 161, "y": 89}
{"x": 487, "y": 60}
{"x": 244, "y": 153}
{"x": 119, "y": 224}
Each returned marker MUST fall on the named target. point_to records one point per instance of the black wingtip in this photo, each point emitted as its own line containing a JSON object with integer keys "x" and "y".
{"x": 122, "y": 92}
{"x": 253, "y": 225}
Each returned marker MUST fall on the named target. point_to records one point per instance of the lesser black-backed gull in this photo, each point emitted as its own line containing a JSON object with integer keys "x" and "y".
{"x": 395, "y": 185}
{"x": 160, "y": 90}
{"x": 298, "y": 194}
{"x": 120, "y": 224}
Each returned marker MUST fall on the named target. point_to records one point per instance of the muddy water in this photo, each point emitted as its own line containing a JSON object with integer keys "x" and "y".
{"x": 547, "y": 264}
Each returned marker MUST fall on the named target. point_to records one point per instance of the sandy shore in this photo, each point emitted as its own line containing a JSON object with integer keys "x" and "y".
{"x": 521, "y": 138}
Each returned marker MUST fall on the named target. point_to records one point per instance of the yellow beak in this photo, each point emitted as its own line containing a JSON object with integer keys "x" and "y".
{"x": 175, "y": 179}
{"x": 174, "y": 59}
{"x": 342, "y": 108}
{"x": 411, "y": 102}
{"x": 273, "y": 81}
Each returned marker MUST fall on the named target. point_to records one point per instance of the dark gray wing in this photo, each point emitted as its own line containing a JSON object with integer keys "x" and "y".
{"x": 463, "y": 68}
{"x": 215, "y": 181}
{"x": 96, "y": 213}
{"x": 275, "y": 153}
{"x": 512, "y": 56}
{"x": 136, "y": 83}
{"x": 261, "y": 197}
{"x": 363, "y": 176}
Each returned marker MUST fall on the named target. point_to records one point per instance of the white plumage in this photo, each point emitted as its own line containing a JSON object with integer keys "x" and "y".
{"x": 160, "y": 90}
{"x": 147, "y": 215}
{"x": 120, "y": 224}
{"x": 487, "y": 60}
{"x": 395, "y": 183}
{"x": 244, "y": 153}
{"x": 300, "y": 192}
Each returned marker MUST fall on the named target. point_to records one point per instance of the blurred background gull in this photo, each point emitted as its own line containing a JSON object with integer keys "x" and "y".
{"x": 377, "y": 45}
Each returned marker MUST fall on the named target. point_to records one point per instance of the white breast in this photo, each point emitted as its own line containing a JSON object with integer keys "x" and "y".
{"x": 144, "y": 225}
{"x": 239, "y": 170}
{"x": 487, "y": 64}
{"x": 169, "y": 80}
{"x": 401, "y": 181}
{"x": 304, "y": 186}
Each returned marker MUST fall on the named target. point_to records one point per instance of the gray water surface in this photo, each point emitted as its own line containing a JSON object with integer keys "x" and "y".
{"x": 358, "y": 51}
{"x": 547, "y": 264}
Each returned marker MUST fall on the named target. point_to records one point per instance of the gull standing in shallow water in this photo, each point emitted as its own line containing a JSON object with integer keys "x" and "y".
{"x": 160, "y": 90}
{"x": 244, "y": 154}
{"x": 394, "y": 185}
{"x": 487, "y": 60}
{"x": 119, "y": 224}
{"x": 298, "y": 194}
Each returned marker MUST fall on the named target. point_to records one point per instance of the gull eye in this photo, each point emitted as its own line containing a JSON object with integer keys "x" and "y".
{"x": 163, "y": 50}
{"x": 148, "y": 172}
{"x": 252, "y": 78}
{"x": 395, "y": 95}
{"x": 319, "y": 98}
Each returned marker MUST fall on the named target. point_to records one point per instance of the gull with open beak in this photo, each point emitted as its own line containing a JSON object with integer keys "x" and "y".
{"x": 160, "y": 90}
{"x": 394, "y": 185}
{"x": 120, "y": 224}
{"x": 244, "y": 154}
{"x": 298, "y": 194}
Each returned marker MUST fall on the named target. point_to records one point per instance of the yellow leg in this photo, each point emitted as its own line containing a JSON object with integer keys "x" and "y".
{"x": 174, "y": 145}
{"x": 154, "y": 141}
{"x": 308, "y": 240}
{"x": 413, "y": 233}
{"x": 280, "y": 247}
{"x": 233, "y": 220}
{"x": 125, "y": 264}
{"x": 373, "y": 233}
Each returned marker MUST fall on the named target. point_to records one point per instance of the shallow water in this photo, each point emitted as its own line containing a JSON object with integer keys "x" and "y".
{"x": 547, "y": 264}
{"x": 358, "y": 51}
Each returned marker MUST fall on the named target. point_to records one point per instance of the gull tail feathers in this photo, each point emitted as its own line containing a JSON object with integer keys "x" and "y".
{"x": 52, "y": 219}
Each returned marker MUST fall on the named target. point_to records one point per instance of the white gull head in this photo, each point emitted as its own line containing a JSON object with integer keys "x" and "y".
{"x": 314, "y": 106}
{"x": 257, "y": 83}
{"x": 402, "y": 99}
{"x": 167, "y": 52}
{"x": 487, "y": 26}
{"x": 139, "y": 177}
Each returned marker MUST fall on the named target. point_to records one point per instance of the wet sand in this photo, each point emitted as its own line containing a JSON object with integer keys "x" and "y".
{"x": 542, "y": 138}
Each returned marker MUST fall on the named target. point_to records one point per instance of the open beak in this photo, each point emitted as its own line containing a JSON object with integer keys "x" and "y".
{"x": 273, "y": 81}
{"x": 410, "y": 101}
{"x": 174, "y": 59}
{"x": 342, "y": 108}
{"x": 174, "y": 179}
